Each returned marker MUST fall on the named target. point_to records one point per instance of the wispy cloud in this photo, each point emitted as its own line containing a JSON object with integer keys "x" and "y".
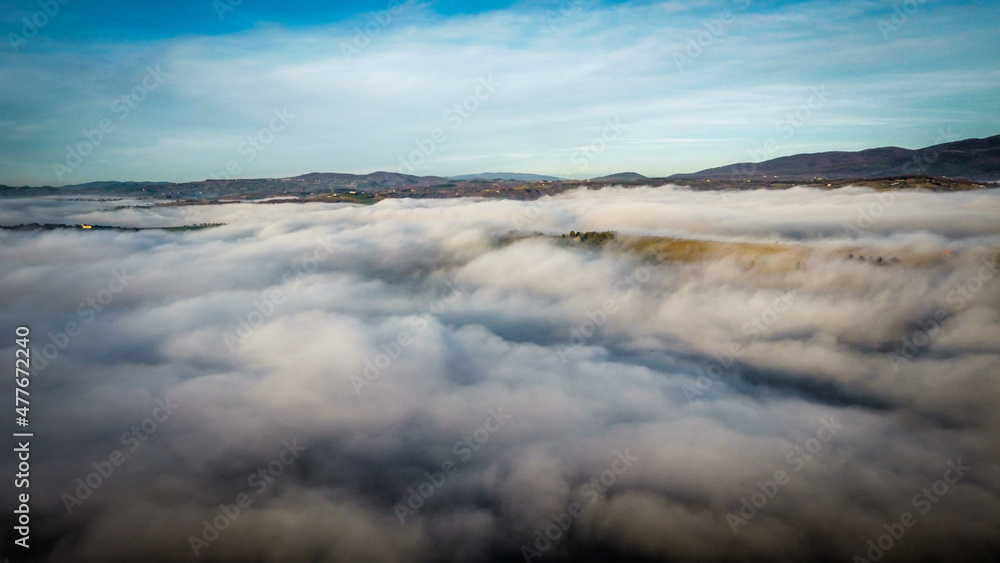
{"x": 561, "y": 77}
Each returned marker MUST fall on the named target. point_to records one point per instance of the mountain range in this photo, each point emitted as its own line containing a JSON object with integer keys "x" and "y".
{"x": 970, "y": 159}
{"x": 506, "y": 176}
{"x": 955, "y": 165}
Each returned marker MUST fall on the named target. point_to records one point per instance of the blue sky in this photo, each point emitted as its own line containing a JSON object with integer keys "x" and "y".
{"x": 201, "y": 89}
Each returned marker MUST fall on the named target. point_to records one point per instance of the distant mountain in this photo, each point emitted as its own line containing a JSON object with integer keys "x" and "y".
{"x": 111, "y": 185}
{"x": 506, "y": 176}
{"x": 971, "y": 159}
{"x": 249, "y": 188}
{"x": 957, "y": 165}
{"x": 374, "y": 182}
{"x": 116, "y": 189}
{"x": 621, "y": 176}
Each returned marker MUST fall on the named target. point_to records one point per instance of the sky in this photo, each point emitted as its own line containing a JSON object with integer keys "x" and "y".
{"x": 578, "y": 88}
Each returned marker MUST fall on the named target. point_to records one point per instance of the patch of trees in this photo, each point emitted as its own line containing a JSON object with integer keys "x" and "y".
{"x": 591, "y": 237}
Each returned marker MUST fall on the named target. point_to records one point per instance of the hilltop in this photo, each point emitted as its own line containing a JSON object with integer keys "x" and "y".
{"x": 977, "y": 160}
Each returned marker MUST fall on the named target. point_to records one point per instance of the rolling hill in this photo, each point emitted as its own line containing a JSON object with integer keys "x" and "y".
{"x": 948, "y": 166}
{"x": 970, "y": 159}
{"x": 506, "y": 176}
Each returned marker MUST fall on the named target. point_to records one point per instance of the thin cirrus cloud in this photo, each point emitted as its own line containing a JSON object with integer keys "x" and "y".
{"x": 561, "y": 71}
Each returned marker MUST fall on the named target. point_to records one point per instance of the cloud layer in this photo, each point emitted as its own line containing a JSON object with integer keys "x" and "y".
{"x": 406, "y": 381}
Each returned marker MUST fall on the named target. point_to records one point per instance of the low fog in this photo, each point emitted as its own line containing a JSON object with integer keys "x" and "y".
{"x": 450, "y": 380}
